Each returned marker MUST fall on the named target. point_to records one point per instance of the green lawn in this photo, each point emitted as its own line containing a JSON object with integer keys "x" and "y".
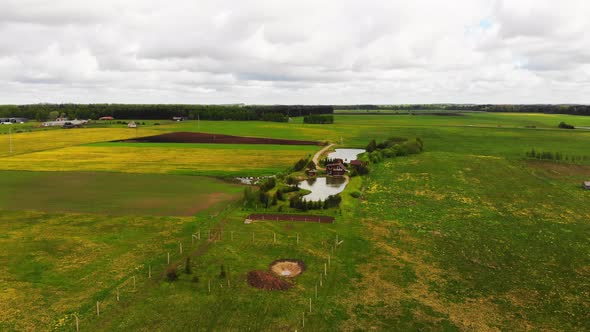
{"x": 112, "y": 193}
{"x": 466, "y": 236}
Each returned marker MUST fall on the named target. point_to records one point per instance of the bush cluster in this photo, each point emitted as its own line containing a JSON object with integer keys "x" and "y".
{"x": 303, "y": 205}
{"x": 556, "y": 156}
{"x": 318, "y": 119}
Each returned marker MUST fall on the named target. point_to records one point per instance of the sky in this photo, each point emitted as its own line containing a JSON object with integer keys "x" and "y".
{"x": 294, "y": 52}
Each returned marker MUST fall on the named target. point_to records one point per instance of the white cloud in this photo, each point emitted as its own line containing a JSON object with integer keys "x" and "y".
{"x": 486, "y": 51}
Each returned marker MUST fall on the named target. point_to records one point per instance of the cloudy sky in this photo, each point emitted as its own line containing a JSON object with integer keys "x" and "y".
{"x": 295, "y": 52}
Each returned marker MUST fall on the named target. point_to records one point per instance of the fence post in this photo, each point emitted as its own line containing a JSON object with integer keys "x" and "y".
{"x": 180, "y": 246}
{"x": 168, "y": 257}
{"x": 77, "y": 323}
{"x": 149, "y": 271}
{"x": 97, "y": 308}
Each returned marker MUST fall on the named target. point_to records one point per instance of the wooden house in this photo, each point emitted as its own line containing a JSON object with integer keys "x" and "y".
{"x": 335, "y": 169}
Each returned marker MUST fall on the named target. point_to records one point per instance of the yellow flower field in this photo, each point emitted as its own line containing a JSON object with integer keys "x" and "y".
{"x": 207, "y": 159}
{"x": 60, "y": 138}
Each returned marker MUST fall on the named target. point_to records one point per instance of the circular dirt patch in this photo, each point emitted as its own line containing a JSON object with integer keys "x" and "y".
{"x": 267, "y": 280}
{"x": 288, "y": 268}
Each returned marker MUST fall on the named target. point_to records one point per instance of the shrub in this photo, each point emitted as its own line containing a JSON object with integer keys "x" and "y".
{"x": 372, "y": 146}
{"x": 564, "y": 125}
{"x": 187, "y": 266}
{"x": 222, "y": 273}
{"x": 195, "y": 279}
{"x": 268, "y": 184}
{"x": 292, "y": 181}
{"x": 299, "y": 165}
{"x": 172, "y": 273}
{"x": 355, "y": 194}
{"x": 318, "y": 119}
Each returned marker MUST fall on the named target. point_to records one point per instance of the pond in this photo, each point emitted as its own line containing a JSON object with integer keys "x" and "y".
{"x": 347, "y": 155}
{"x": 323, "y": 187}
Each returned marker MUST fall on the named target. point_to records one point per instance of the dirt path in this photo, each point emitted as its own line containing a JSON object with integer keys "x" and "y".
{"x": 317, "y": 156}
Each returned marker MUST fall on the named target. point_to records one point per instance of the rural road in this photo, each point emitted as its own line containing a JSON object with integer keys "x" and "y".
{"x": 317, "y": 156}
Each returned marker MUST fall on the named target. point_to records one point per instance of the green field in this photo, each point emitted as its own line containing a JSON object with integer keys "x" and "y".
{"x": 112, "y": 193}
{"x": 467, "y": 236}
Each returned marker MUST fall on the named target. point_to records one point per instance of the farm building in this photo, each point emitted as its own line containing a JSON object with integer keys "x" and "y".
{"x": 65, "y": 123}
{"x": 13, "y": 120}
{"x": 335, "y": 169}
{"x": 586, "y": 185}
{"x": 106, "y": 118}
{"x": 132, "y": 124}
{"x": 178, "y": 118}
{"x": 312, "y": 172}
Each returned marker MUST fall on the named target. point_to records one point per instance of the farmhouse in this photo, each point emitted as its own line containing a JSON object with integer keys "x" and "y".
{"x": 106, "y": 118}
{"x": 335, "y": 169}
{"x": 312, "y": 172}
{"x": 132, "y": 124}
{"x": 586, "y": 185}
{"x": 12, "y": 120}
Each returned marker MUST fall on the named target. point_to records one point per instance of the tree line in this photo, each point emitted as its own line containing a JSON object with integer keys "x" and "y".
{"x": 555, "y": 156}
{"x": 278, "y": 113}
{"x": 318, "y": 119}
{"x": 510, "y": 108}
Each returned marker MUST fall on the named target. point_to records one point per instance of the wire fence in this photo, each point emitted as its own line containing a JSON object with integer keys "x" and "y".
{"x": 155, "y": 271}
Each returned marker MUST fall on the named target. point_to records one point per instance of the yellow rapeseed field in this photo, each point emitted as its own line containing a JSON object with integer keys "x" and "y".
{"x": 208, "y": 159}
{"x": 60, "y": 138}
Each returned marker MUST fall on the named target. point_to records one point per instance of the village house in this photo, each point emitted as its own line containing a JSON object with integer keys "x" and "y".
{"x": 586, "y": 185}
{"x": 312, "y": 172}
{"x": 132, "y": 124}
{"x": 12, "y": 120}
{"x": 335, "y": 169}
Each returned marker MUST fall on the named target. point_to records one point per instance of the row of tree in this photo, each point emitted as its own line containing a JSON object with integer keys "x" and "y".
{"x": 556, "y": 156}
{"x": 300, "y": 204}
{"x": 318, "y": 119}
{"x": 279, "y": 113}
{"x": 539, "y": 108}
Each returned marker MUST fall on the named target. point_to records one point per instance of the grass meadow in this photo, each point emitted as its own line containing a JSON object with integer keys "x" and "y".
{"x": 112, "y": 193}
{"x": 467, "y": 236}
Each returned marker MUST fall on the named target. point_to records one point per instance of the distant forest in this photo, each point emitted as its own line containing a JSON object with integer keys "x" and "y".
{"x": 540, "y": 108}
{"x": 278, "y": 113}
